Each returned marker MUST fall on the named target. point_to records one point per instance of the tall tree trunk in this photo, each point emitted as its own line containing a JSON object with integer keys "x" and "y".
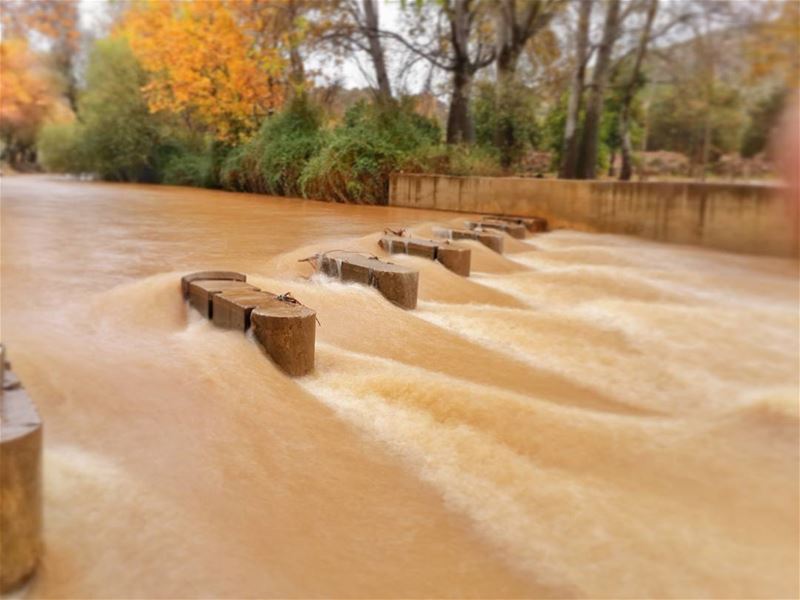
{"x": 460, "y": 129}
{"x": 509, "y": 50}
{"x": 459, "y": 122}
{"x": 518, "y": 21}
{"x": 590, "y": 138}
{"x": 297, "y": 70}
{"x": 625, "y": 113}
{"x": 569, "y": 158}
{"x": 376, "y": 50}
{"x": 505, "y": 136}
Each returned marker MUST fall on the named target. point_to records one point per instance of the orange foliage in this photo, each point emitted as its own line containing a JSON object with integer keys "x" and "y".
{"x": 203, "y": 66}
{"x": 27, "y": 92}
{"x": 56, "y": 20}
{"x": 286, "y": 25}
{"x": 775, "y": 49}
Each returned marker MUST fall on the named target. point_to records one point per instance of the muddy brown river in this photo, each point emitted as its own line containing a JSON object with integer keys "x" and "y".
{"x": 586, "y": 416}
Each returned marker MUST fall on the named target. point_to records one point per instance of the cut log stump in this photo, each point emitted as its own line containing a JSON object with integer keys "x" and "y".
{"x": 209, "y": 275}
{"x": 287, "y": 332}
{"x": 20, "y": 483}
{"x": 515, "y": 230}
{"x": 201, "y": 292}
{"x": 232, "y": 308}
{"x": 532, "y": 224}
{"x": 283, "y": 326}
{"x": 494, "y": 241}
{"x": 453, "y": 257}
{"x": 398, "y": 284}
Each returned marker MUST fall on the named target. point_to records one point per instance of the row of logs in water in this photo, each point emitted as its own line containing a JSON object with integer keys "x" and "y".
{"x": 287, "y": 329}
{"x": 283, "y": 326}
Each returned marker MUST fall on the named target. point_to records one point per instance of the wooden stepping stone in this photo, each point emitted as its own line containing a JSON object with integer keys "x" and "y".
{"x": 20, "y": 483}
{"x": 515, "y": 230}
{"x": 284, "y": 327}
{"x": 398, "y": 284}
{"x": 494, "y": 241}
{"x": 454, "y": 258}
{"x": 532, "y": 224}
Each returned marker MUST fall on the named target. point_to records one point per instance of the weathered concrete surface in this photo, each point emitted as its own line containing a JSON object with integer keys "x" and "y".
{"x": 287, "y": 331}
{"x": 209, "y": 275}
{"x": 493, "y": 241}
{"x": 739, "y": 218}
{"x": 398, "y": 284}
{"x": 20, "y": 484}
{"x": 202, "y": 290}
{"x": 515, "y": 230}
{"x": 231, "y": 308}
{"x": 452, "y": 257}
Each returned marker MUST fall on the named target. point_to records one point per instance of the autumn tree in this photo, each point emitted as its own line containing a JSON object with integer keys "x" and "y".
{"x": 773, "y": 45}
{"x": 28, "y": 96}
{"x": 203, "y": 67}
{"x": 55, "y": 22}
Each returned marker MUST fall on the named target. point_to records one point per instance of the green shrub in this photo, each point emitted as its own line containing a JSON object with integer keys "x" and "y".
{"x": 505, "y": 119}
{"x": 274, "y": 159}
{"x": 60, "y": 149}
{"x": 118, "y": 132}
{"x": 763, "y": 118}
{"x": 189, "y": 168}
{"x": 461, "y": 160}
{"x": 373, "y": 141}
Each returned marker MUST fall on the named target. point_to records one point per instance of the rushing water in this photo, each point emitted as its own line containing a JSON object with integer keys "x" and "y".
{"x": 587, "y": 415}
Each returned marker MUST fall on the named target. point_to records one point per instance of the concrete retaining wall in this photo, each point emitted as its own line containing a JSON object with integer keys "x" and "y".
{"x": 740, "y": 218}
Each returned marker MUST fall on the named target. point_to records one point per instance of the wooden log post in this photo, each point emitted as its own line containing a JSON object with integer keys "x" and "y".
{"x": 209, "y": 275}
{"x": 494, "y": 241}
{"x": 398, "y": 284}
{"x": 515, "y": 230}
{"x": 202, "y": 291}
{"x": 395, "y": 244}
{"x": 231, "y": 308}
{"x": 284, "y": 327}
{"x": 20, "y": 483}
{"x": 454, "y": 258}
{"x": 532, "y": 224}
{"x": 287, "y": 331}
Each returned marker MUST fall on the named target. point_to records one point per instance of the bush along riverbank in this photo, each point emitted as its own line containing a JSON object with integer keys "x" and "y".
{"x": 295, "y": 152}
